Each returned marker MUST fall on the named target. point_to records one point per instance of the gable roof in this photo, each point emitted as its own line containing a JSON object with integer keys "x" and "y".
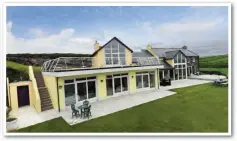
{"x": 168, "y": 52}
{"x": 114, "y": 38}
{"x": 171, "y": 54}
{"x": 166, "y": 65}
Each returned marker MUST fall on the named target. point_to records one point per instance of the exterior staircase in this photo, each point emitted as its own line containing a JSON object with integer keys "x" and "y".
{"x": 46, "y": 103}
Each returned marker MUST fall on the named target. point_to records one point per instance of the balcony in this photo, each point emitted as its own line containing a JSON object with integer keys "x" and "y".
{"x": 85, "y": 63}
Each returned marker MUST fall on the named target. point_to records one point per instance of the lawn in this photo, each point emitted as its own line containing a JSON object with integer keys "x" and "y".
{"x": 224, "y": 70}
{"x": 20, "y": 67}
{"x": 219, "y": 61}
{"x": 200, "y": 108}
{"x": 214, "y": 63}
{"x": 16, "y": 71}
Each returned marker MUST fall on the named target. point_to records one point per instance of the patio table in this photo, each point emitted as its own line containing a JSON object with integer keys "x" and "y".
{"x": 81, "y": 107}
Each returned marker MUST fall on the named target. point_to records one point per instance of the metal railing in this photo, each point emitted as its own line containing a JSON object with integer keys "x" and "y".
{"x": 77, "y": 63}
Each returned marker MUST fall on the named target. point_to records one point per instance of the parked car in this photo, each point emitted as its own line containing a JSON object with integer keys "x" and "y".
{"x": 165, "y": 82}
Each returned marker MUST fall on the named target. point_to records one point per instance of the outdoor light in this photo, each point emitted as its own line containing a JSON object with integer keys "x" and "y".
{"x": 132, "y": 76}
{"x": 60, "y": 87}
{"x": 101, "y": 80}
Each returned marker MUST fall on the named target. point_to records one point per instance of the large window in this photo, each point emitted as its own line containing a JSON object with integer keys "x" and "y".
{"x": 114, "y": 54}
{"x": 117, "y": 83}
{"x": 145, "y": 80}
{"x": 180, "y": 66}
{"x": 79, "y": 89}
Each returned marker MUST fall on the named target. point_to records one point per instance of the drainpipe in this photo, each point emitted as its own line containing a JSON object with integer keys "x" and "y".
{"x": 58, "y": 95}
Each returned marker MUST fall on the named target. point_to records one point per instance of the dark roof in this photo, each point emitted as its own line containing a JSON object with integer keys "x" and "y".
{"x": 162, "y": 52}
{"x": 142, "y": 53}
{"x": 109, "y": 42}
{"x": 171, "y": 54}
{"x": 166, "y": 65}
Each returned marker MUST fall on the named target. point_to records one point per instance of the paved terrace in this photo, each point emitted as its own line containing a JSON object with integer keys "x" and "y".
{"x": 27, "y": 115}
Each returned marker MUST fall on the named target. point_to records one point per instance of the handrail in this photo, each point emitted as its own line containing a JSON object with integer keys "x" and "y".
{"x": 72, "y": 63}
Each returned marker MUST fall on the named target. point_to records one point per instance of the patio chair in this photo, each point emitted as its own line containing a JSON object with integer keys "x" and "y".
{"x": 85, "y": 102}
{"x": 75, "y": 112}
{"x": 87, "y": 112}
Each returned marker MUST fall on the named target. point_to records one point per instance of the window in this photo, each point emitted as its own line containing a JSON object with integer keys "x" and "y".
{"x": 114, "y": 54}
{"x": 79, "y": 90}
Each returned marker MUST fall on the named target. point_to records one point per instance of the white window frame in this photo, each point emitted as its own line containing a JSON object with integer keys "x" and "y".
{"x": 75, "y": 82}
{"x": 112, "y": 53}
{"x": 120, "y": 76}
{"x": 141, "y": 74}
{"x": 180, "y": 63}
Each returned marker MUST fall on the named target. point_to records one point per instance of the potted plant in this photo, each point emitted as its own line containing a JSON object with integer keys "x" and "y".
{"x": 11, "y": 121}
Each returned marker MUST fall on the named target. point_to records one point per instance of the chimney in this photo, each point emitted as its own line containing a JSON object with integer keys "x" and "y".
{"x": 148, "y": 47}
{"x": 96, "y": 46}
{"x": 184, "y": 47}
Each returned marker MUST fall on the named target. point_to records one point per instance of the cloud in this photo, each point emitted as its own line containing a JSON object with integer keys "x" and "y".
{"x": 63, "y": 42}
{"x": 200, "y": 28}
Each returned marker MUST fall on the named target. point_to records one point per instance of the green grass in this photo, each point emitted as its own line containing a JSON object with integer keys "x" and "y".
{"x": 18, "y": 72}
{"x": 224, "y": 70}
{"x": 20, "y": 67}
{"x": 220, "y": 61}
{"x": 200, "y": 108}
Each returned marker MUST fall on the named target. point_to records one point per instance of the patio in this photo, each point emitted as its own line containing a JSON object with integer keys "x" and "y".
{"x": 115, "y": 104}
{"x": 103, "y": 107}
{"x": 207, "y": 77}
{"x": 183, "y": 83}
{"x": 27, "y": 116}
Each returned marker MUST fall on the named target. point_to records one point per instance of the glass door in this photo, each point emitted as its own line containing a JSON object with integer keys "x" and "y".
{"x": 81, "y": 91}
{"x": 146, "y": 81}
{"x": 117, "y": 85}
{"x": 109, "y": 86}
{"x": 124, "y": 84}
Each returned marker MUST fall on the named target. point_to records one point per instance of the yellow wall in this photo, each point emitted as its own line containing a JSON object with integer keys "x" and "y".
{"x": 128, "y": 56}
{"x": 36, "y": 97}
{"x": 102, "y": 91}
{"x": 13, "y": 93}
{"x": 132, "y": 81}
{"x": 170, "y": 61}
{"x": 50, "y": 83}
{"x": 99, "y": 59}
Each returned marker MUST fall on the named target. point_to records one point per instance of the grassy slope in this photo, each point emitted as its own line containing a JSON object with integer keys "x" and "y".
{"x": 224, "y": 70}
{"x": 20, "y": 67}
{"x": 201, "y": 108}
{"x": 214, "y": 63}
{"x": 15, "y": 71}
{"x": 220, "y": 61}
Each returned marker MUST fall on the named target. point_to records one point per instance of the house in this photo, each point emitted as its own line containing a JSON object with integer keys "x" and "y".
{"x": 113, "y": 69}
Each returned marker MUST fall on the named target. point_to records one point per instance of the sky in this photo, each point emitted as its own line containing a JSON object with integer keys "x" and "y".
{"x": 52, "y": 29}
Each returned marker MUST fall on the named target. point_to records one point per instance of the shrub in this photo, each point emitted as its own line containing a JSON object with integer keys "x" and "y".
{"x": 9, "y": 118}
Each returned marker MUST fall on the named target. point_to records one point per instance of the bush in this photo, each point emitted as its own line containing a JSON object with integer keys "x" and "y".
{"x": 213, "y": 72}
{"x": 8, "y": 118}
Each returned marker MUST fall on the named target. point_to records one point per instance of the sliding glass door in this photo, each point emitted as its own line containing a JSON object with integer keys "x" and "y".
{"x": 77, "y": 90}
{"x": 116, "y": 84}
{"x": 145, "y": 80}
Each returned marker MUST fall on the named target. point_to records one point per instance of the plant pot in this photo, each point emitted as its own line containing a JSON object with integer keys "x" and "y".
{"x": 12, "y": 125}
